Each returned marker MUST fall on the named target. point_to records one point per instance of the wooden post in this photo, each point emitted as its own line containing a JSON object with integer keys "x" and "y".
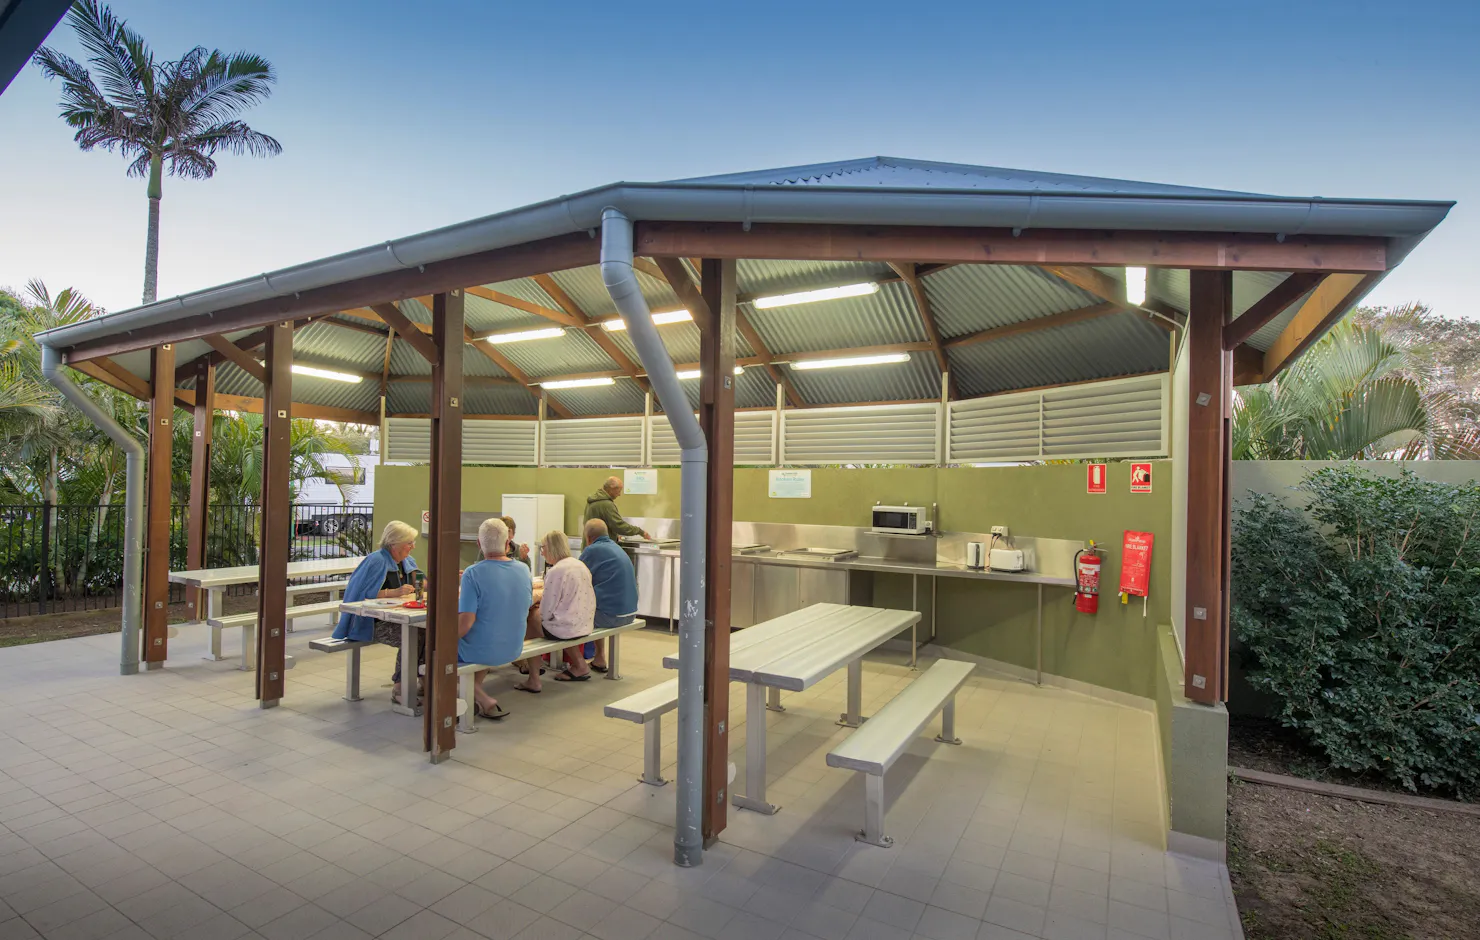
{"x": 1210, "y": 395}
{"x": 717, "y": 418}
{"x": 277, "y": 515}
{"x": 159, "y": 500}
{"x": 439, "y": 733}
{"x": 196, "y": 527}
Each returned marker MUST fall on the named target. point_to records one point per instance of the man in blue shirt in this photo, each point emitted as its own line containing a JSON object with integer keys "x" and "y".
{"x": 492, "y": 606}
{"x": 614, "y": 581}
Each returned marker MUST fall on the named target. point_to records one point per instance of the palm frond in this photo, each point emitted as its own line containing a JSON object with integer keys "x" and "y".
{"x": 124, "y": 63}
{"x": 225, "y": 86}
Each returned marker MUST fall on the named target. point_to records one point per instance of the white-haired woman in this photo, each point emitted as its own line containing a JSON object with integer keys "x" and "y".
{"x": 386, "y": 573}
{"x": 492, "y": 605}
{"x": 566, "y": 609}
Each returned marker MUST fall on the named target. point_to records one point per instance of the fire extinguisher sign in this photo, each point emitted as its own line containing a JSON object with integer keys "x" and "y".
{"x": 1095, "y": 480}
{"x": 1140, "y": 478}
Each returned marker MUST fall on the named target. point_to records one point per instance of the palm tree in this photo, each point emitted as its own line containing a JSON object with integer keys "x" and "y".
{"x": 176, "y": 114}
{"x": 1351, "y": 396}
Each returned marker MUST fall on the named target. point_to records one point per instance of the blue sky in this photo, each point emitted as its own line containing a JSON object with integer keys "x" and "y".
{"x": 398, "y": 117}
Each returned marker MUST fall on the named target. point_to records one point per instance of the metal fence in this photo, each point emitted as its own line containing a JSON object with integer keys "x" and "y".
{"x": 57, "y": 558}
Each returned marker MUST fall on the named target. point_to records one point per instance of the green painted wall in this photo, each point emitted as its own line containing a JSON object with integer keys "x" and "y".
{"x": 1116, "y": 648}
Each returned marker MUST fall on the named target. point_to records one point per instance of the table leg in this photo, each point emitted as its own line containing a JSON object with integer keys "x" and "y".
{"x": 851, "y": 718}
{"x": 1039, "y": 634}
{"x": 213, "y": 611}
{"x": 773, "y": 700}
{"x": 249, "y": 646}
{"x": 754, "y": 797}
{"x": 915, "y": 606}
{"x": 652, "y": 752}
{"x": 614, "y": 656}
{"x": 408, "y": 704}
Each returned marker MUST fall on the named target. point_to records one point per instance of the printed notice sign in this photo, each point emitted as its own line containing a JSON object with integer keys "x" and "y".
{"x": 791, "y": 484}
{"x": 1095, "y": 481}
{"x": 1140, "y": 478}
{"x": 640, "y": 482}
{"x": 1135, "y": 563}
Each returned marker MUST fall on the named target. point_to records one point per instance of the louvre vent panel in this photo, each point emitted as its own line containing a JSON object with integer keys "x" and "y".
{"x": 408, "y": 440}
{"x": 586, "y": 442}
{"x": 503, "y": 442}
{"x": 1116, "y": 418}
{"x": 754, "y": 433}
{"x": 869, "y": 434}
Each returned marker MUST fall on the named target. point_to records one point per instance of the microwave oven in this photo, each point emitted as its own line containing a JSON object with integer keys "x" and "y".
{"x": 900, "y": 520}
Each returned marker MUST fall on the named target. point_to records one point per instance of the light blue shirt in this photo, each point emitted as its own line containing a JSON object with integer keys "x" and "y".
{"x": 499, "y": 595}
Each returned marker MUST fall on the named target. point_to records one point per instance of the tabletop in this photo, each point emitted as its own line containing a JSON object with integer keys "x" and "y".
{"x": 247, "y": 574}
{"x": 798, "y": 649}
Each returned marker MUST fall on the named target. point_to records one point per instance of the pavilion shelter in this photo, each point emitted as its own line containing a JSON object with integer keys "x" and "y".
{"x": 974, "y": 296}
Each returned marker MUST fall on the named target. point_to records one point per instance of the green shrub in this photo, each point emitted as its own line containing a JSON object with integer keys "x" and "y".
{"x": 1361, "y": 615}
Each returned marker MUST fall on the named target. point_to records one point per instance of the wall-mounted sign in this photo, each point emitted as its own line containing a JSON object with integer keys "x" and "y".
{"x": 790, "y": 484}
{"x": 1135, "y": 563}
{"x": 1140, "y": 478}
{"x": 640, "y": 482}
{"x": 1095, "y": 479}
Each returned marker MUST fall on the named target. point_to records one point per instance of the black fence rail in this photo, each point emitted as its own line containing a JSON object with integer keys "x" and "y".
{"x": 56, "y": 558}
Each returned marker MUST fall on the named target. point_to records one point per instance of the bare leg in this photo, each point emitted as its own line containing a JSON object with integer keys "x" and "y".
{"x": 486, "y": 702}
{"x": 575, "y": 663}
{"x": 598, "y": 661}
{"x": 532, "y": 666}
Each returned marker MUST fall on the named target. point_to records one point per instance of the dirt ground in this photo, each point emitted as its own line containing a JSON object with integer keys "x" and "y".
{"x": 18, "y": 631}
{"x": 1308, "y": 866}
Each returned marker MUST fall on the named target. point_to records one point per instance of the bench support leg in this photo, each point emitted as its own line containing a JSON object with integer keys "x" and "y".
{"x": 652, "y": 752}
{"x": 773, "y": 700}
{"x": 754, "y": 797}
{"x": 352, "y": 676}
{"x": 467, "y": 722}
{"x": 409, "y": 675}
{"x": 614, "y": 659}
{"x": 948, "y": 723}
{"x": 249, "y": 646}
{"x": 851, "y": 718}
{"x": 213, "y": 611}
{"x": 873, "y": 813}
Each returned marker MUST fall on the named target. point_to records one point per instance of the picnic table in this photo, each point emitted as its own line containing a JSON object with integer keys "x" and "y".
{"x": 794, "y": 652}
{"x": 215, "y": 581}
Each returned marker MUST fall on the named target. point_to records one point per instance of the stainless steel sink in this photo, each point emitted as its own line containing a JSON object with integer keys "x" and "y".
{"x": 819, "y": 554}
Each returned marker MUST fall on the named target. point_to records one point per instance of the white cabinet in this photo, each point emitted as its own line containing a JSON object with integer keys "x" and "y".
{"x": 534, "y": 514}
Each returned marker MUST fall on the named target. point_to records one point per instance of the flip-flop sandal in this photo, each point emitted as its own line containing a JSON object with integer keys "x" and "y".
{"x": 596, "y": 667}
{"x": 521, "y": 687}
{"x": 525, "y": 672}
{"x": 567, "y": 677}
{"x": 494, "y": 715}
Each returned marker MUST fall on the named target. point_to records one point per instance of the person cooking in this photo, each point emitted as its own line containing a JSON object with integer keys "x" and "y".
{"x": 383, "y": 574}
{"x": 603, "y": 505}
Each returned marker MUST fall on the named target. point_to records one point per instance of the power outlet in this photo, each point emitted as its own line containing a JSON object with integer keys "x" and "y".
{"x": 1000, "y": 530}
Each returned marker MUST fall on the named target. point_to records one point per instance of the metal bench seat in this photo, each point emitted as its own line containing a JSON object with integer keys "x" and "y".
{"x": 647, "y": 708}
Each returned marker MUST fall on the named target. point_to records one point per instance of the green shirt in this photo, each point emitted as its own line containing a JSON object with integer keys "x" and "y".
{"x": 601, "y": 506}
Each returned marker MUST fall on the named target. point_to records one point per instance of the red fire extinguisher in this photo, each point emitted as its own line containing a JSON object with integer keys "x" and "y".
{"x": 1087, "y": 579}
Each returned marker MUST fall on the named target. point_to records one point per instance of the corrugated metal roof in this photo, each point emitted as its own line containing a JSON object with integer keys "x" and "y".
{"x": 918, "y": 378}
{"x": 888, "y": 316}
{"x": 927, "y": 174}
{"x": 499, "y": 400}
{"x": 622, "y": 397}
{"x": 328, "y": 344}
{"x": 307, "y": 390}
{"x": 766, "y": 276}
{"x": 971, "y": 297}
{"x": 585, "y": 287}
{"x": 573, "y": 352}
{"x": 753, "y": 389}
{"x": 1173, "y": 286}
{"x": 1123, "y": 344}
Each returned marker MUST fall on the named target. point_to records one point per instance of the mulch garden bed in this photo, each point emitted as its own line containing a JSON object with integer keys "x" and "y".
{"x": 18, "y": 631}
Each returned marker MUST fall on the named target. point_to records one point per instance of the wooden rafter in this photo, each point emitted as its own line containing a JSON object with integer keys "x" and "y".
{"x": 503, "y": 362}
{"x": 909, "y": 273}
{"x": 471, "y": 381}
{"x": 385, "y": 366}
{"x": 410, "y": 332}
{"x": 579, "y": 317}
{"x": 1326, "y": 304}
{"x": 563, "y": 317}
{"x": 236, "y": 356}
{"x": 1266, "y": 308}
{"x": 1037, "y": 323}
{"x": 1100, "y": 284}
{"x": 185, "y": 398}
{"x": 132, "y": 383}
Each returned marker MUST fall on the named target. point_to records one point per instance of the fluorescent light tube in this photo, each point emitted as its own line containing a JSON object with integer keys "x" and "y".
{"x": 659, "y": 319}
{"x": 1135, "y": 286}
{"x": 812, "y": 296}
{"x": 851, "y": 361}
{"x": 579, "y": 383}
{"x": 694, "y": 373}
{"x": 519, "y": 336}
{"x": 326, "y": 373}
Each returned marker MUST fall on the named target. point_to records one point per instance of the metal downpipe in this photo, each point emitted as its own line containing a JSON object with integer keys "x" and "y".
{"x": 133, "y": 503}
{"x": 621, "y": 283}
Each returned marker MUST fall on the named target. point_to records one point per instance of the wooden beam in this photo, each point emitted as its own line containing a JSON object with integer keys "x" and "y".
{"x": 355, "y": 327}
{"x": 408, "y": 331}
{"x": 910, "y": 275}
{"x": 185, "y": 398}
{"x": 763, "y": 355}
{"x": 91, "y": 370}
{"x": 277, "y": 515}
{"x": 469, "y": 381}
{"x": 1327, "y": 303}
{"x": 200, "y": 482}
{"x": 128, "y": 381}
{"x": 563, "y": 317}
{"x": 1034, "y": 325}
{"x": 503, "y": 362}
{"x": 852, "y": 351}
{"x": 1213, "y": 250}
{"x": 683, "y": 286}
{"x": 717, "y": 419}
{"x": 234, "y": 354}
{"x": 486, "y": 267}
{"x": 1266, "y": 308}
{"x": 1209, "y": 404}
{"x": 159, "y": 502}
{"x": 1088, "y": 279}
{"x": 1248, "y": 365}
{"x": 445, "y": 512}
{"x": 602, "y": 338}
{"x": 385, "y": 367}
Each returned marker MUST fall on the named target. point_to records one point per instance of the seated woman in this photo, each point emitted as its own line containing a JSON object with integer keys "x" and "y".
{"x": 386, "y": 573}
{"x": 492, "y": 605}
{"x": 566, "y": 610}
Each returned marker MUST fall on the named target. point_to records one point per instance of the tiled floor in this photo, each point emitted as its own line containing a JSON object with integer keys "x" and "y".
{"x": 167, "y": 805}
